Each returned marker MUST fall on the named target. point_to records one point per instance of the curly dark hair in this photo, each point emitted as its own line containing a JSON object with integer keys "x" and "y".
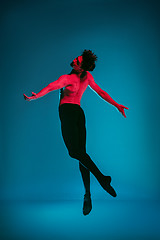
{"x": 89, "y": 58}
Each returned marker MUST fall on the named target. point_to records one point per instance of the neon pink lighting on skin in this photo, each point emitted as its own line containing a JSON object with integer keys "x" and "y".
{"x": 77, "y": 64}
{"x": 74, "y": 88}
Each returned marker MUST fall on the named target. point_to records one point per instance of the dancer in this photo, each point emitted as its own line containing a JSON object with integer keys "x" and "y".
{"x": 72, "y": 117}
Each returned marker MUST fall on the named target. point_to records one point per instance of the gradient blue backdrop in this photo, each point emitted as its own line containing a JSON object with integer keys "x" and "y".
{"x": 39, "y": 39}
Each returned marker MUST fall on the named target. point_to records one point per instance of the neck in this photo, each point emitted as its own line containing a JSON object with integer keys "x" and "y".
{"x": 75, "y": 72}
{"x": 81, "y": 74}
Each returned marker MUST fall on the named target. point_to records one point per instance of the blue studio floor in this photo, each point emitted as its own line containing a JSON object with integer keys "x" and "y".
{"x": 108, "y": 220}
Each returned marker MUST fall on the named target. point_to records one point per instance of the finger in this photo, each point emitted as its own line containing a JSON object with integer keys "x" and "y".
{"x": 124, "y": 113}
{"x": 24, "y": 96}
{"x": 124, "y": 107}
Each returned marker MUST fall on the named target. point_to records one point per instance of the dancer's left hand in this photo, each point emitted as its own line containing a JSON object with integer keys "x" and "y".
{"x": 121, "y": 109}
{"x": 33, "y": 97}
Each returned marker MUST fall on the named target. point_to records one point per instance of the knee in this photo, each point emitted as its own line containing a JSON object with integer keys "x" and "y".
{"x": 73, "y": 154}
{"x": 77, "y": 154}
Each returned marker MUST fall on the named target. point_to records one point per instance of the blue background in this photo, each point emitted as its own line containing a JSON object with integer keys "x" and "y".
{"x": 39, "y": 41}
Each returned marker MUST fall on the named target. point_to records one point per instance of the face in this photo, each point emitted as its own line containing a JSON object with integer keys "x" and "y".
{"x": 77, "y": 62}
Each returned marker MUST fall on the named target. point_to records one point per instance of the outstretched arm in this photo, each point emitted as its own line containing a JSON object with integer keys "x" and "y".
{"x": 105, "y": 95}
{"x": 59, "y": 83}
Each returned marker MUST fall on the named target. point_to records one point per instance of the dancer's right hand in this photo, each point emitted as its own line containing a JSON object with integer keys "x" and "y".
{"x": 33, "y": 97}
{"x": 121, "y": 109}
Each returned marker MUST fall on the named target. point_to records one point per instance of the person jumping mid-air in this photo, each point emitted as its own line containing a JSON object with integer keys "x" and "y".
{"x": 72, "y": 118}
